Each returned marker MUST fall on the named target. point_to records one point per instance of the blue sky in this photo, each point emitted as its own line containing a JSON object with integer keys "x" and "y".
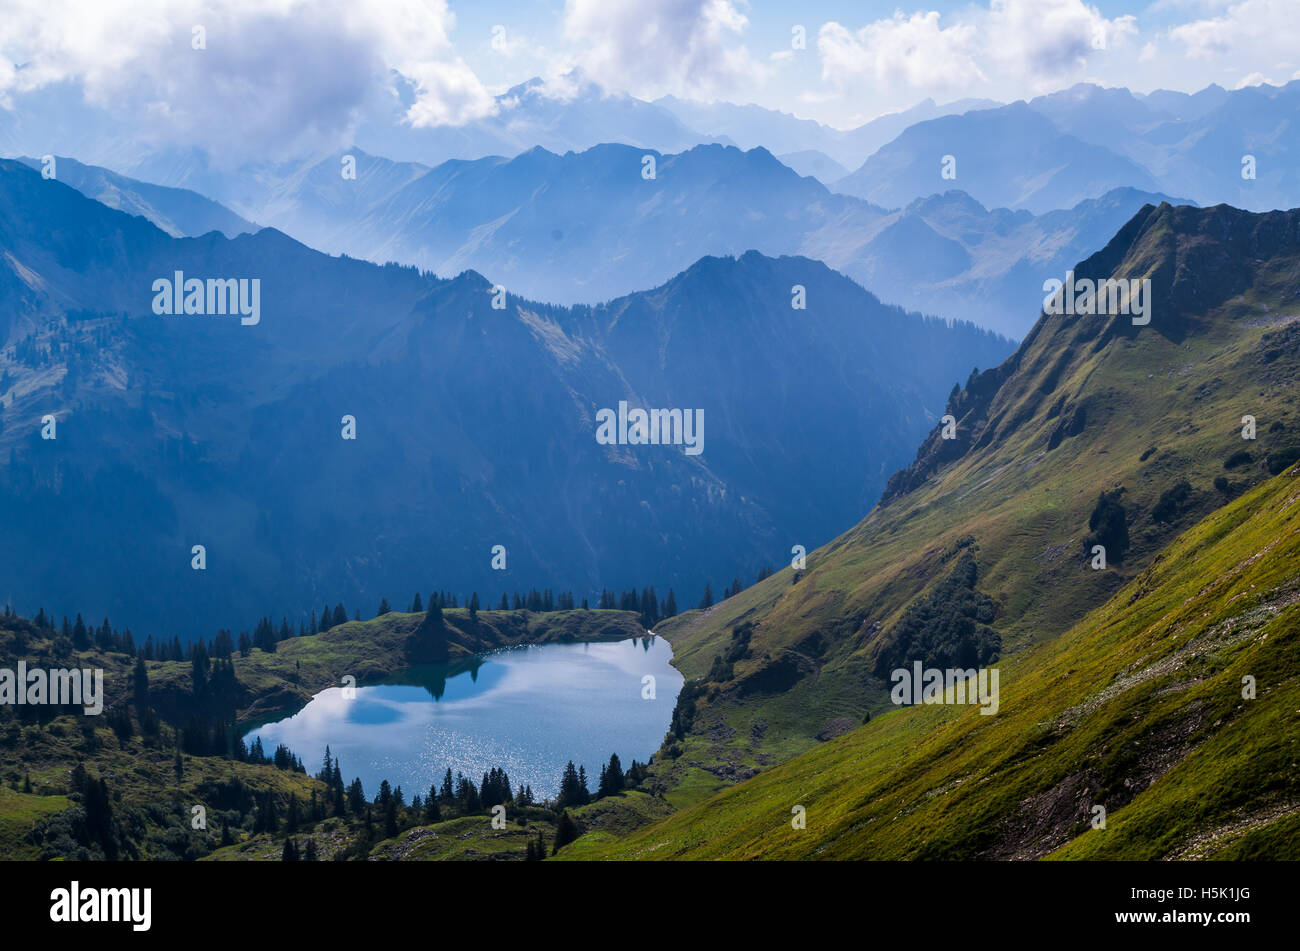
{"x": 323, "y": 64}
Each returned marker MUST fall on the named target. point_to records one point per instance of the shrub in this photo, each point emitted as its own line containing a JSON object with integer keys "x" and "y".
{"x": 1172, "y": 502}
{"x": 1280, "y": 460}
{"x": 1109, "y": 525}
{"x": 949, "y": 628}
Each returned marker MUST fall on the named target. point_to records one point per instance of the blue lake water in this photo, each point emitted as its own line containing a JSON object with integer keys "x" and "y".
{"x": 527, "y": 709}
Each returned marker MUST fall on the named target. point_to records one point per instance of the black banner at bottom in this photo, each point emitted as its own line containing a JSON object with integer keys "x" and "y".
{"x": 236, "y": 900}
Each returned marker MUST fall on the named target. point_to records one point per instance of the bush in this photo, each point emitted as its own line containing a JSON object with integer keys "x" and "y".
{"x": 950, "y": 628}
{"x": 1280, "y": 459}
{"x": 1109, "y": 525}
{"x": 1172, "y": 502}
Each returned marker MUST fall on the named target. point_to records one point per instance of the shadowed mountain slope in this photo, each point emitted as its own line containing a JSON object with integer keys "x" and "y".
{"x": 475, "y": 425}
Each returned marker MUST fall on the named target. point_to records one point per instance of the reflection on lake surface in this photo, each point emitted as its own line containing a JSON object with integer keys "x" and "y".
{"x": 527, "y": 709}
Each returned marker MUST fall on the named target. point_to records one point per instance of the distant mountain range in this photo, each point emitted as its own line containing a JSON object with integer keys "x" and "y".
{"x": 1059, "y": 149}
{"x": 948, "y": 254}
{"x": 475, "y": 425}
{"x": 750, "y": 127}
{"x": 573, "y": 115}
{"x": 1013, "y": 157}
{"x": 588, "y": 226}
{"x": 569, "y": 114}
{"x": 1046, "y": 154}
{"x": 179, "y": 212}
{"x": 1034, "y": 186}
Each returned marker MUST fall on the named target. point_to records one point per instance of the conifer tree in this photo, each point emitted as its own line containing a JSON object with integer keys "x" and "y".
{"x": 140, "y": 684}
{"x": 356, "y": 797}
{"x": 611, "y": 778}
{"x": 568, "y": 794}
{"x": 707, "y": 601}
{"x": 428, "y": 643}
{"x": 566, "y": 830}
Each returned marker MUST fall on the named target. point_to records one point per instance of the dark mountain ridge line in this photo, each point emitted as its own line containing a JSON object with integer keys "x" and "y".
{"x": 271, "y": 238}
{"x": 1177, "y": 292}
{"x": 943, "y": 254}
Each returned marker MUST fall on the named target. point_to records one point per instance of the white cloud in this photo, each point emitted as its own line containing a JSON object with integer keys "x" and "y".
{"x": 447, "y": 93}
{"x": 688, "y": 48}
{"x": 284, "y": 74}
{"x": 1010, "y": 44}
{"x": 1258, "y": 30}
{"x": 1044, "y": 40}
{"x": 914, "y": 51}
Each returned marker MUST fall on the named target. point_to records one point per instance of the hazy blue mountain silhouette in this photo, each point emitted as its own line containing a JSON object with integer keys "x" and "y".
{"x": 948, "y": 254}
{"x": 1012, "y": 157}
{"x": 587, "y": 226}
{"x": 1059, "y": 149}
{"x": 817, "y": 164}
{"x": 475, "y": 425}
{"x": 177, "y": 211}
{"x": 751, "y": 126}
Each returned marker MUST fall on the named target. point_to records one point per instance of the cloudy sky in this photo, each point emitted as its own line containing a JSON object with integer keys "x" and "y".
{"x": 313, "y": 67}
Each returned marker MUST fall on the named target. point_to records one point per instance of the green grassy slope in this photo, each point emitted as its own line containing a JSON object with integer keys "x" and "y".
{"x": 462, "y": 838}
{"x": 1086, "y": 405}
{"x": 18, "y": 812}
{"x": 1139, "y": 708}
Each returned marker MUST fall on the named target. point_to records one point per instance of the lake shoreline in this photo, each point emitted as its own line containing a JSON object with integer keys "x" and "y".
{"x": 287, "y": 678}
{"x": 526, "y": 708}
